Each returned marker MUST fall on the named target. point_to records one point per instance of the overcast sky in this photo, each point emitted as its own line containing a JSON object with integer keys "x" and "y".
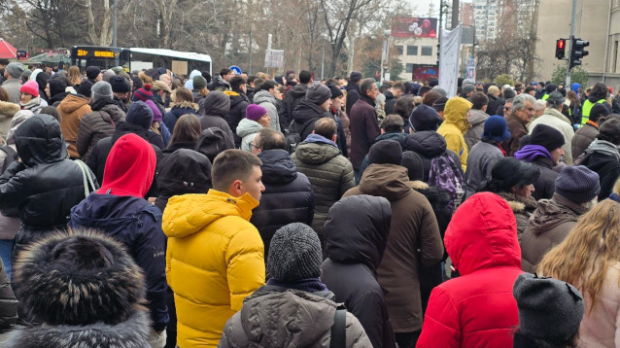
{"x": 422, "y": 6}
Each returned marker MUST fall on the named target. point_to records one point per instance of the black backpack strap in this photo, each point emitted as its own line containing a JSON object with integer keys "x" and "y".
{"x": 8, "y": 150}
{"x": 339, "y": 330}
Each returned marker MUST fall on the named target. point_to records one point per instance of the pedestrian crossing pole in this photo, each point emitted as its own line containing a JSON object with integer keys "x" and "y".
{"x": 571, "y": 41}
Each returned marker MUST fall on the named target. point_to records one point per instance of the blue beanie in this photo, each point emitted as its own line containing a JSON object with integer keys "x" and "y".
{"x": 140, "y": 114}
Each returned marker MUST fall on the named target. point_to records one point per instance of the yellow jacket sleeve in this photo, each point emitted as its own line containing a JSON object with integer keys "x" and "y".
{"x": 246, "y": 266}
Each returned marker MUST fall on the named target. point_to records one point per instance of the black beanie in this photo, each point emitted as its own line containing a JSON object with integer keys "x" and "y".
{"x": 509, "y": 172}
{"x": 84, "y": 88}
{"x": 57, "y": 86}
{"x": 119, "y": 84}
{"x": 336, "y": 92}
{"x": 92, "y": 72}
{"x": 424, "y": 118}
{"x": 414, "y": 164}
{"x": 140, "y": 114}
{"x": 547, "y": 137}
{"x": 386, "y": 152}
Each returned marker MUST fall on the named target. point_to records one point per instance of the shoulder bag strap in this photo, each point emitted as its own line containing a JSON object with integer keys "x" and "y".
{"x": 339, "y": 330}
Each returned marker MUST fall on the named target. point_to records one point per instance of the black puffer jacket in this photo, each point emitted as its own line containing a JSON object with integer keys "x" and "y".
{"x": 357, "y": 230}
{"x": 238, "y": 103}
{"x": 8, "y": 302}
{"x": 45, "y": 185}
{"x": 183, "y": 171}
{"x": 216, "y": 107}
{"x": 291, "y": 99}
{"x": 288, "y": 196}
{"x": 99, "y": 155}
{"x": 305, "y": 116}
{"x": 428, "y": 145}
{"x": 353, "y": 95}
{"x": 98, "y": 124}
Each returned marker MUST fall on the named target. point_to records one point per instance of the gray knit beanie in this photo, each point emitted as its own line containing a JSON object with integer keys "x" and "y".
{"x": 318, "y": 93}
{"x": 101, "y": 90}
{"x": 549, "y": 309}
{"x": 15, "y": 69}
{"x": 578, "y": 184}
{"x": 295, "y": 253}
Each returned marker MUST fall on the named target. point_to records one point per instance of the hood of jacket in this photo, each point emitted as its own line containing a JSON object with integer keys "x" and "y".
{"x": 279, "y": 318}
{"x": 110, "y": 212}
{"x": 427, "y": 143}
{"x": 552, "y": 212}
{"x": 264, "y": 96}
{"x": 357, "y": 229}
{"x": 306, "y": 111}
{"x": 247, "y": 127}
{"x": 456, "y": 113}
{"x": 236, "y": 98}
{"x": 212, "y": 141}
{"x": 216, "y": 103}
{"x": 477, "y": 117}
{"x": 184, "y": 171}
{"x": 518, "y": 204}
{"x": 71, "y": 103}
{"x": 298, "y": 91}
{"x": 316, "y": 152}
{"x": 130, "y": 333}
{"x": 386, "y": 180}
{"x": 278, "y": 168}
{"x": 194, "y": 212}
{"x": 129, "y": 168}
{"x": 8, "y": 109}
{"x": 483, "y": 234}
{"x": 39, "y": 140}
{"x": 398, "y": 137}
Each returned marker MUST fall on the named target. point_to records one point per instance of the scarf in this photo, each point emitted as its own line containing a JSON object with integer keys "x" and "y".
{"x": 614, "y": 197}
{"x": 604, "y": 147}
{"x": 530, "y": 152}
{"x": 308, "y": 285}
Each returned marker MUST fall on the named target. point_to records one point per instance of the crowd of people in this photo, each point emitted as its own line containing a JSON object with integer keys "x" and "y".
{"x": 145, "y": 209}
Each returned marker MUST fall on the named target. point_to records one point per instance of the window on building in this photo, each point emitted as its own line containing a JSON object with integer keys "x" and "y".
{"x": 409, "y": 68}
{"x": 412, "y": 50}
{"x": 427, "y": 50}
{"x": 399, "y": 50}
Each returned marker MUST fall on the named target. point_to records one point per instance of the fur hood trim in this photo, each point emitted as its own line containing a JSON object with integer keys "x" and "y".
{"x": 418, "y": 185}
{"x": 8, "y": 110}
{"x": 515, "y": 206}
{"x": 79, "y": 277}
{"x": 132, "y": 333}
{"x": 186, "y": 105}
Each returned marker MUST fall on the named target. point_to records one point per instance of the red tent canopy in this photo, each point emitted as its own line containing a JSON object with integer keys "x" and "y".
{"x": 7, "y": 50}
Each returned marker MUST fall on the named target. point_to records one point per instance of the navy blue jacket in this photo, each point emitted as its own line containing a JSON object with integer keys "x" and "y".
{"x": 288, "y": 196}
{"x": 137, "y": 224}
{"x": 171, "y": 117}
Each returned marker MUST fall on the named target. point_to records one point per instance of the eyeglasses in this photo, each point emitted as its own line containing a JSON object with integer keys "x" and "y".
{"x": 507, "y": 109}
{"x": 254, "y": 146}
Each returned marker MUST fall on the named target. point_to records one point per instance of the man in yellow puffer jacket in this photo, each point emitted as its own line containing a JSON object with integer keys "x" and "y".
{"x": 455, "y": 126}
{"x": 215, "y": 256}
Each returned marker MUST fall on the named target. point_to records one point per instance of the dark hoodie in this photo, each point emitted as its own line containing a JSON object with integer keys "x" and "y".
{"x": 291, "y": 99}
{"x": 119, "y": 210}
{"x": 214, "y": 109}
{"x": 44, "y": 185}
{"x": 305, "y": 116}
{"x": 428, "y": 145}
{"x": 356, "y": 231}
{"x": 353, "y": 95}
{"x": 399, "y": 137}
{"x": 212, "y": 141}
{"x": 183, "y": 171}
{"x": 288, "y": 196}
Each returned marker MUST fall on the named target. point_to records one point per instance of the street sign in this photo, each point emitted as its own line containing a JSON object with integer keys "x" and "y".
{"x": 235, "y": 69}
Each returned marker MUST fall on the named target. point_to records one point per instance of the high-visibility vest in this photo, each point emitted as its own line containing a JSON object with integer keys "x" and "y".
{"x": 545, "y": 97}
{"x": 586, "y": 108}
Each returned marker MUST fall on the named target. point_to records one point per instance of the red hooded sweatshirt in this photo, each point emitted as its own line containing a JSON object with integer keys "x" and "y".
{"x": 130, "y": 167}
{"x": 477, "y": 309}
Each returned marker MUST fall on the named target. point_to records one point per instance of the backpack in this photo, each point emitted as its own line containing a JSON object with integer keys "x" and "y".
{"x": 11, "y": 156}
{"x": 293, "y": 136}
{"x": 445, "y": 174}
{"x": 339, "y": 329}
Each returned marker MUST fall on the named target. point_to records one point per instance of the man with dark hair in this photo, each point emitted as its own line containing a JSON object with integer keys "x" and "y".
{"x": 330, "y": 173}
{"x": 239, "y": 101}
{"x": 603, "y": 157}
{"x": 288, "y": 195}
{"x": 423, "y": 90}
{"x": 598, "y": 95}
{"x": 251, "y": 85}
{"x": 222, "y": 82}
{"x": 392, "y": 128}
{"x": 269, "y": 97}
{"x": 353, "y": 90}
{"x": 364, "y": 126}
{"x": 294, "y": 96}
{"x": 585, "y": 135}
{"x": 530, "y": 90}
{"x": 215, "y": 255}
{"x": 476, "y": 117}
{"x": 392, "y": 95}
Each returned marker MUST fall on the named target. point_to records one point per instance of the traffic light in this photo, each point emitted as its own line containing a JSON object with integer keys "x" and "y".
{"x": 560, "y": 48}
{"x": 577, "y": 51}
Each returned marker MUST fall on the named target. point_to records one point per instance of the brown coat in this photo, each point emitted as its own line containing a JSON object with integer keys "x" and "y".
{"x": 550, "y": 224}
{"x": 71, "y": 110}
{"x": 95, "y": 126}
{"x": 522, "y": 210}
{"x": 583, "y": 137}
{"x": 517, "y": 130}
{"x": 414, "y": 242}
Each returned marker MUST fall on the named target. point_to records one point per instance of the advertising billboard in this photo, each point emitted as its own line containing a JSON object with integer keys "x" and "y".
{"x": 424, "y": 72}
{"x": 414, "y": 27}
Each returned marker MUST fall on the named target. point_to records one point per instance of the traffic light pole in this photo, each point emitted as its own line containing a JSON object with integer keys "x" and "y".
{"x": 572, "y": 36}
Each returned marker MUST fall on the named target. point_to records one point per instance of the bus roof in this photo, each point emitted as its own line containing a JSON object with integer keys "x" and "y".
{"x": 173, "y": 54}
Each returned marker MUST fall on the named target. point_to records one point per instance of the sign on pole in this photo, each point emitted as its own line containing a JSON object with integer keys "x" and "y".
{"x": 471, "y": 69}
{"x": 449, "y": 60}
{"x": 274, "y": 58}
{"x": 235, "y": 69}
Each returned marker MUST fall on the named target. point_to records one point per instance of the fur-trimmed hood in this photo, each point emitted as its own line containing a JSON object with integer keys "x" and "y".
{"x": 185, "y": 105}
{"x": 519, "y": 205}
{"x": 78, "y": 278}
{"x": 131, "y": 333}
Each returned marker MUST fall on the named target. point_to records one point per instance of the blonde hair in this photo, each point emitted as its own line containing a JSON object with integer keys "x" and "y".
{"x": 593, "y": 246}
{"x": 616, "y": 188}
{"x": 145, "y": 78}
{"x": 74, "y": 76}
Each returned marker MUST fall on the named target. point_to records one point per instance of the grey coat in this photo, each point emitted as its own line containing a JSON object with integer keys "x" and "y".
{"x": 330, "y": 174}
{"x": 474, "y": 134}
{"x": 480, "y": 162}
{"x": 12, "y": 87}
{"x": 274, "y": 317}
{"x": 247, "y": 130}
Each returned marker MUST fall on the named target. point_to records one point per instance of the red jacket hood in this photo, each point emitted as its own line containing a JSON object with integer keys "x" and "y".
{"x": 483, "y": 234}
{"x": 130, "y": 167}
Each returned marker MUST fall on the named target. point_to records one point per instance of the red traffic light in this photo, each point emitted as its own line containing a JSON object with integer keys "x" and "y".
{"x": 561, "y": 44}
{"x": 560, "y": 48}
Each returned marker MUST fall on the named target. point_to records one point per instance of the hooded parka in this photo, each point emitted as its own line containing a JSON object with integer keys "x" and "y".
{"x": 357, "y": 232}
{"x": 269, "y": 102}
{"x": 213, "y": 262}
{"x": 305, "y": 116}
{"x": 215, "y": 107}
{"x": 455, "y": 126}
{"x": 71, "y": 110}
{"x": 98, "y": 124}
{"x": 414, "y": 242}
{"x": 478, "y": 308}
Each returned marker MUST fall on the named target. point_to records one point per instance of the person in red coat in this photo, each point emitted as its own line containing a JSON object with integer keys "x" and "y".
{"x": 477, "y": 309}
